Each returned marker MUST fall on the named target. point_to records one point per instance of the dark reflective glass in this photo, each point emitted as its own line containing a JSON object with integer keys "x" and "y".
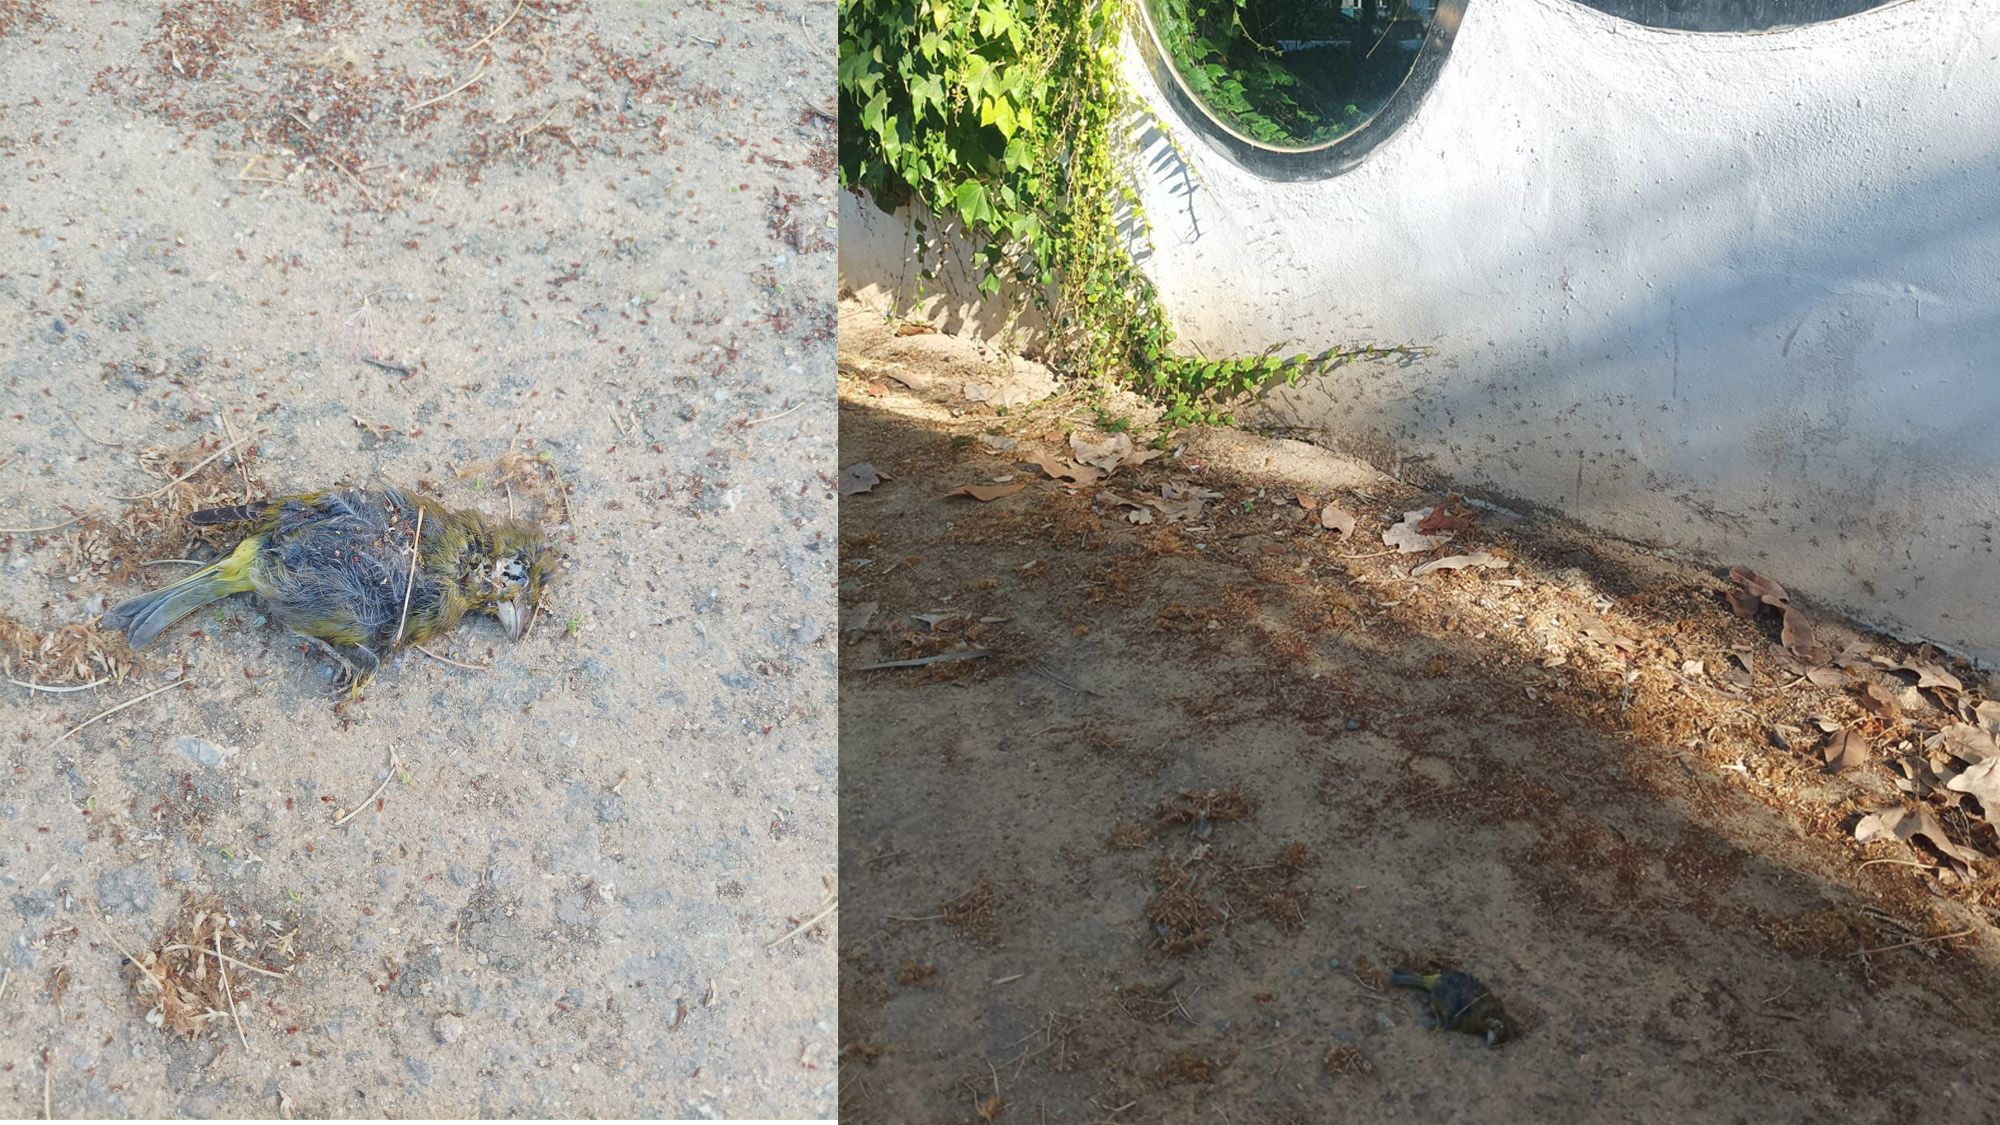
{"x": 1292, "y": 73}
{"x": 1731, "y": 15}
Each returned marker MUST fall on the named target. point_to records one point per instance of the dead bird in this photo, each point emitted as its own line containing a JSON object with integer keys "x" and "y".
{"x": 337, "y": 567}
{"x": 1459, "y": 1003}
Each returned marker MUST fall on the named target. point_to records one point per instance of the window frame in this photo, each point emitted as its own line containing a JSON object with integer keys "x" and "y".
{"x": 1316, "y": 162}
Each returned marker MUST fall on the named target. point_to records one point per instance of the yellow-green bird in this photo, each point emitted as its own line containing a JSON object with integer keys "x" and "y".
{"x": 336, "y": 567}
{"x": 1459, "y": 1002}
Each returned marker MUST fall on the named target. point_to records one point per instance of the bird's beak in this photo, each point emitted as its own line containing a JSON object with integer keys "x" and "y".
{"x": 513, "y": 618}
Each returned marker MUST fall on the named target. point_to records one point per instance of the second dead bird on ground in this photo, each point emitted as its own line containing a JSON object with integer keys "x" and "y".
{"x": 1459, "y": 1003}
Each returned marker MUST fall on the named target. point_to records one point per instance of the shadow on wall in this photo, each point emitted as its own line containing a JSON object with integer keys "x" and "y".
{"x": 887, "y": 265}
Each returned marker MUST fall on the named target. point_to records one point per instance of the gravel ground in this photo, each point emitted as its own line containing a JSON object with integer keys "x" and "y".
{"x": 590, "y": 282}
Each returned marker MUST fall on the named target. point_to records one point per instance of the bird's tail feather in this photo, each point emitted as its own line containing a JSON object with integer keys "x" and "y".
{"x": 146, "y": 616}
{"x": 235, "y": 513}
{"x": 1403, "y": 978}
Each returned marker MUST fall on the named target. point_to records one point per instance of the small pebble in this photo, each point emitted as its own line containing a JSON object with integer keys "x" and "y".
{"x": 448, "y": 1029}
{"x": 201, "y": 751}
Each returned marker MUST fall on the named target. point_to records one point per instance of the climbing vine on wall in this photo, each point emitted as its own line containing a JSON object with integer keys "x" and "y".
{"x": 1010, "y": 120}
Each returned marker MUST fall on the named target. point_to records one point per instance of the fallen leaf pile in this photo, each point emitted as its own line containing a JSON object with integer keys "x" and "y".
{"x": 1109, "y": 454}
{"x": 1941, "y": 762}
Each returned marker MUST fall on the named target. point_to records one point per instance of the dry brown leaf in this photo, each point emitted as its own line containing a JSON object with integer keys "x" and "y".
{"x": 1981, "y": 781}
{"x": 992, "y": 1108}
{"x": 1742, "y": 602}
{"x": 1853, "y": 657}
{"x": 1738, "y": 672}
{"x": 1182, "y": 501}
{"x": 914, "y": 328}
{"x": 1930, "y": 675}
{"x": 858, "y": 478}
{"x": 985, "y": 493}
{"x": 1989, "y": 715}
{"x": 1906, "y": 825}
{"x": 1797, "y": 634}
{"x": 1607, "y": 638}
{"x": 1109, "y": 454}
{"x": 1139, "y": 516}
{"x": 1760, "y": 587}
{"x": 875, "y": 390}
{"x": 1828, "y": 677}
{"x": 1059, "y": 469}
{"x": 1845, "y": 750}
{"x": 1968, "y": 743}
{"x": 1338, "y": 520}
{"x": 855, "y": 618}
{"x": 1879, "y": 702}
{"x": 1106, "y": 496}
{"x": 1406, "y": 536}
{"x": 1484, "y": 560}
{"x": 1439, "y": 520}
{"x": 1309, "y": 503}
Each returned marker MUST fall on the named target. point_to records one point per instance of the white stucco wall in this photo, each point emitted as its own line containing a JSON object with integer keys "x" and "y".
{"x": 1737, "y": 295}
{"x": 1734, "y": 294}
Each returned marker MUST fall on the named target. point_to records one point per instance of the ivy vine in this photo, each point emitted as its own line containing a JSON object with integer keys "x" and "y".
{"x": 1010, "y": 119}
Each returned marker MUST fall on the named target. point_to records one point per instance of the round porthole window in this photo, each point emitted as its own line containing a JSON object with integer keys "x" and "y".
{"x": 1731, "y": 15}
{"x": 1297, "y": 88}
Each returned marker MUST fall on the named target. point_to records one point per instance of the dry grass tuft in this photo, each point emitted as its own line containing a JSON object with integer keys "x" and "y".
{"x": 1184, "y": 1068}
{"x": 179, "y": 981}
{"x": 156, "y": 526}
{"x": 975, "y": 914}
{"x": 1347, "y": 1060}
{"x": 1216, "y": 806}
{"x": 528, "y": 476}
{"x": 71, "y": 654}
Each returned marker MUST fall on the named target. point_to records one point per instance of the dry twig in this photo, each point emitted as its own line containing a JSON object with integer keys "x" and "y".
{"x": 356, "y": 811}
{"x": 105, "y": 714}
{"x": 199, "y": 466}
{"x": 410, "y": 583}
{"x": 808, "y": 924}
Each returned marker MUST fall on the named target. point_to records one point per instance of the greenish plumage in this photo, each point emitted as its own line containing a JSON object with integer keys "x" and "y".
{"x": 1459, "y": 1002}
{"x": 336, "y": 567}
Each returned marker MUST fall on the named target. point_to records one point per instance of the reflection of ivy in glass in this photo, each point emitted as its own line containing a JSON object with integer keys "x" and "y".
{"x": 1290, "y": 72}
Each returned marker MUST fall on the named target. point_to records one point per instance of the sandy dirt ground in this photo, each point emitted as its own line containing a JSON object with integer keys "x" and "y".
{"x": 1151, "y": 857}
{"x": 567, "y": 259}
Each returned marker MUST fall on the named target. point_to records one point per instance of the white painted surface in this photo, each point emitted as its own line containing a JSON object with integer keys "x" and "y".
{"x": 1737, "y": 295}
{"x": 879, "y": 267}
{"x": 1733, "y": 295}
